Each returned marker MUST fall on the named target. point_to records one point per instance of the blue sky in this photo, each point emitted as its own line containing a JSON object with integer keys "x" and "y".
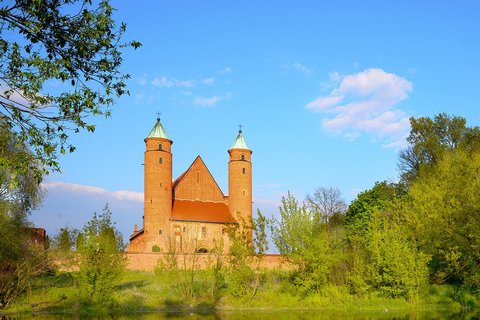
{"x": 323, "y": 91}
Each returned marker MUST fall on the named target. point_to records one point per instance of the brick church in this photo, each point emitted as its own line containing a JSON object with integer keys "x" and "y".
{"x": 190, "y": 213}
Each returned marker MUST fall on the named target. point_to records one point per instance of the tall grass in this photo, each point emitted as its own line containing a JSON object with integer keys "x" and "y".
{"x": 141, "y": 291}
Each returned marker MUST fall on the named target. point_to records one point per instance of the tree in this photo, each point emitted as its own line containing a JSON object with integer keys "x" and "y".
{"x": 66, "y": 239}
{"x": 301, "y": 237}
{"x": 328, "y": 202}
{"x": 443, "y": 212}
{"x": 380, "y": 253}
{"x": 71, "y": 41}
{"x": 248, "y": 245}
{"x": 359, "y": 212}
{"x": 19, "y": 194}
{"x": 430, "y": 138}
{"x": 101, "y": 256}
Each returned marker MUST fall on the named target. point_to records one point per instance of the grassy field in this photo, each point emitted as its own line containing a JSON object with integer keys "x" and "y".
{"x": 145, "y": 292}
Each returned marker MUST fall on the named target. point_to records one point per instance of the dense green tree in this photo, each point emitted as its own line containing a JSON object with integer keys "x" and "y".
{"x": 301, "y": 237}
{"x": 359, "y": 213}
{"x": 396, "y": 266}
{"x": 101, "y": 256}
{"x": 430, "y": 138}
{"x": 72, "y": 41}
{"x": 443, "y": 210}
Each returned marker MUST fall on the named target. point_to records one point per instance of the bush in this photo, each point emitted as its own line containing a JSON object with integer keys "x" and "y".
{"x": 101, "y": 259}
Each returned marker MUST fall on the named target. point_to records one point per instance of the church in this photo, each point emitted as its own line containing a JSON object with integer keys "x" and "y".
{"x": 190, "y": 213}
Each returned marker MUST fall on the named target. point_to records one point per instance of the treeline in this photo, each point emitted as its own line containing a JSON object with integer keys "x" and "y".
{"x": 397, "y": 237}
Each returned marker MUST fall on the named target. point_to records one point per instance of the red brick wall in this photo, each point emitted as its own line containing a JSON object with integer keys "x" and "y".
{"x": 148, "y": 260}
{"x": 240, "y": 184}
{"x": 158, "y": 189}
{"x": 198, "y": 184}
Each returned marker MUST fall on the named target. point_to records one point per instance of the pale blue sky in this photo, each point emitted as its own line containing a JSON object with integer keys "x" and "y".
{"x": 323, "y": 91}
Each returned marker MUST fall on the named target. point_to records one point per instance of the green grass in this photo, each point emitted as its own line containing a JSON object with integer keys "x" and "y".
{"x": 142, "y": 291}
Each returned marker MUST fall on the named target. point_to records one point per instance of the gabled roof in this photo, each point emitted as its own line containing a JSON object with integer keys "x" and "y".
{"x": 158, "y": 131}
{"x": 240, "y": 142}
{"x": 201, "y": 211}
{"x": 187, "y": 187}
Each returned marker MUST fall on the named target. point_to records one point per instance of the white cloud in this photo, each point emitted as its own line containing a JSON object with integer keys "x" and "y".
{"x": 201, "y": 101}
{"x": 365, "y": 102}
{"x": 163, "y": 82}
{"x": 302, "y": 68}
{"x": 208, "y": 81}
{"x": 226, "y": 70}
{"x": 91, "y": 190}
{"x": 142, "y": 81}
{"x": 172, "y": 82}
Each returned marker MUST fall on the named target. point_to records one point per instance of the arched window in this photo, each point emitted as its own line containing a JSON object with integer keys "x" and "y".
{"x": 160, "y": 160}
{"x": 204, "y": 232}
{"x": 243, "y": 170}
{"x": 160, "y": 147}
{"x": 243, "y": 157}
{"x": 159, "y": 231}
{"x": 198, "y": 176}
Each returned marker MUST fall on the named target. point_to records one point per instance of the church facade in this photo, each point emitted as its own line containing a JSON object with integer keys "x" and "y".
{"x": 190, "y": 213}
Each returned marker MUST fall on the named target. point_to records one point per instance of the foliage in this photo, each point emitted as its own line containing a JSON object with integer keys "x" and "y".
{"x": 19, "y": 194}
{"x": 156, "y": 248}
{"x": 101, "y": 259}
{"x": 301, "y": 237}
{"x": 381, "y": 255}
{"x": 443, "y": 211}
{"x": 16, "y": 278}
{"x": 248, "y": 244}
{"x": 66, "y": 239}
{"x": 430, "y": 138}
{"x": 400, "y": 268}
{"x": 359, "y": 213}
{"x": 72, "y": 41}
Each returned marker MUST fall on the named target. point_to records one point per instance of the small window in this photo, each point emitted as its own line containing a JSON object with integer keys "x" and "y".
{"x": 198, "y": 177}
{"x": 160, "y": 184}
{"x": 244, "y": 192}
{"x": 243, "y": 157}
{"x": 159, "y": 231}
{"x": 243, "y": 170}
{"x": 223, "y": 231}
{"x": 160, "y": 147}
{"x": 160, "y": 160}
{"x": 204, "y": 232}
{"x": 184, "y": 229}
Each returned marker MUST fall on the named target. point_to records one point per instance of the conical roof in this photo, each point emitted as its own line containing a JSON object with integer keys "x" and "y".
{"x": 158, "y": 131}
{"x": 240, "y": 142}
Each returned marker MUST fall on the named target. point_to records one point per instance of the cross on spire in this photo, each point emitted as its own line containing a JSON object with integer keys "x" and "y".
{"x": 240, "y": 126}
{"x": 158, "y": 116}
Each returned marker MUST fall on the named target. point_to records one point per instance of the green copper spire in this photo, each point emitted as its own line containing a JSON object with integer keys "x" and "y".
{"x": 158, "y": 131}
{"x": 240, "y": 142}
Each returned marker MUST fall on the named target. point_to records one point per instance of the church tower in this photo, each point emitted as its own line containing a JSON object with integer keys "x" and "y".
{"x": 158, "y": 187}
{"x": 240, "y": 180}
